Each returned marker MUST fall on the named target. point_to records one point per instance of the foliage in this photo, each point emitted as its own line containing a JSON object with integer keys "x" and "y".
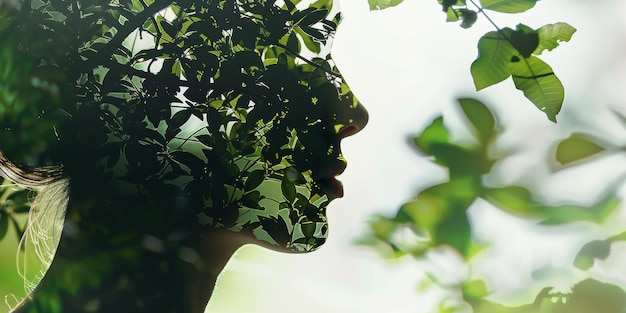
{"x": 510, "y": 52}
{"x": 437, "y": 216}
{"x": 211, "y": 100}
{"x": 13, "y": 204}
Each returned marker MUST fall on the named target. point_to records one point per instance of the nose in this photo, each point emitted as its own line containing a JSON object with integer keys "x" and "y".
{"x": 351, "y": 120}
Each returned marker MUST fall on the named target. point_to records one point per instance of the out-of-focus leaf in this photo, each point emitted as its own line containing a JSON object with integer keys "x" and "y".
{"x": 512, "y": 199}
{"x": 475, "y": 288}
{"x": 481, "y": 118}
{"x": 596, "y": 249}
{"x": 539, "y": 84}
{"x": 576, "y": 147}
{"x": 434, "y": 134}
{"x": 4, "y": 224}
{"x": 383, "y": 4}
{"x": 508, "y": 6}
{"x": 551, "y": 34}
{"x": 573, "y": 213}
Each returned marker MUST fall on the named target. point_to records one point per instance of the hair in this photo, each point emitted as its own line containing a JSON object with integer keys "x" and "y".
{"x": 46, "y": 215}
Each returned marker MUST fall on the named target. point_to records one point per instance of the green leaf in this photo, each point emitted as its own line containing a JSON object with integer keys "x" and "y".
{"x": 480, "y": 117}
{"x": 576, "y": 147}
{"x": 508, "y": 6}
{"x": 596, "y": 249}
{"x": 525, "y": 40}
{"x": 308, "y": 228}
{"x": 288, "y": 189}
{"x": 539, "y": 84}
{"x": 433, "y": 135}
{"x": 597, "y": 213}
{"x": 255, "y": 178}
{"x": 469, "y": 17}
{"x": 551, "y": 34}
{"x": 512, "y": 199}
{"x": 494, "y": 55}
{"x": 383, "y": 4}
{"x": 448, "y": 4}
{"x": 4, "y": 224}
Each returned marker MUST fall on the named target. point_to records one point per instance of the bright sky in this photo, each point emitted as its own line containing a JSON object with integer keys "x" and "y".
{"x": 407, "y": 65}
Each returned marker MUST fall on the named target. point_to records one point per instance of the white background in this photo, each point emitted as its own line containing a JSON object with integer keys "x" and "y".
{"x": 407, "y": 65}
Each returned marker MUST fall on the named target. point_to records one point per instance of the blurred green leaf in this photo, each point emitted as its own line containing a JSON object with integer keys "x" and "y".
{"x": 576, "y": 147}
{"x": 383, "y": 4}
{"x": 596, "y": 213}
{"x": 434, "y": 134}
{"x": 4, "y": 224}
{"x": 475, "y": 288}
{"x": 480, "y": 117}
{"x": 596, "y": 249}
{"x": 512, "y": 199}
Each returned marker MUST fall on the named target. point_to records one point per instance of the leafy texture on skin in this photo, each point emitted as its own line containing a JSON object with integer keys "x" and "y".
{"x": 575, "y": 148}
{"x": 383, "y": 4}
{"x": 551, "y": 35}
{"x": 539, "y": 84}
{"x": 508, "y": 6}
{"x": 494, "y": 55}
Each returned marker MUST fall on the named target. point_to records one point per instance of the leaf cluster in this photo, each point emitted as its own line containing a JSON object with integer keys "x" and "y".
{"x": 510, "y": 52}
{"x": 437, "y": 216}
{"x": 224, "y": 109}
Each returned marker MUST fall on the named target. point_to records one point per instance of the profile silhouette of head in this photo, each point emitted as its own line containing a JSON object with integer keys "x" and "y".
{"x": 165, "y": 135}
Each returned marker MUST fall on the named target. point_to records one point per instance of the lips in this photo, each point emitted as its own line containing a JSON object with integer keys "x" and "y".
{"x": 331, "y": 187}
{"x": 327, "y": 181}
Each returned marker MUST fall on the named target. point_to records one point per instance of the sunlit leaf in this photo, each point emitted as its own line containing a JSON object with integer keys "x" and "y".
{"x": 494, "y": 55}
{"x": 576, "y": 147}
{"x": 508, "y": 6}
{"x": 551, "y": 34}
{"x": 539, "y": 84}
{"x": 383, "y": 4}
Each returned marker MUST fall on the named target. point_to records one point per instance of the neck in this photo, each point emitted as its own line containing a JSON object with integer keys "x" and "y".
{"x": 140, "y": 273}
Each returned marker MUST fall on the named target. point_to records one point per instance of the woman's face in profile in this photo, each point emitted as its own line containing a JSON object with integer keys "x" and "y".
{"x": 226, "y": 110}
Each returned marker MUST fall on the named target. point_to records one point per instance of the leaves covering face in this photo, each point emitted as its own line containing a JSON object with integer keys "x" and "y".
{"x": 201, "y": 107}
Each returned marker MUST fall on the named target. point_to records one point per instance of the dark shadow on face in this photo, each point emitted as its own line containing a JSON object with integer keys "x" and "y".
{"x": 198, "y": 113}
